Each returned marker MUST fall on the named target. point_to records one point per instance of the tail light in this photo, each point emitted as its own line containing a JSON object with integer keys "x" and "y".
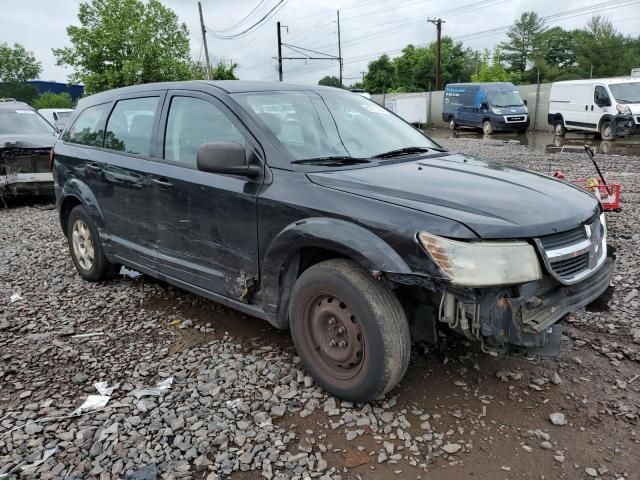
{"x": 51, "y": 159}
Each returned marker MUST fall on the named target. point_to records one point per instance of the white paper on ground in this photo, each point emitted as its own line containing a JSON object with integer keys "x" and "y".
{"x": 93, "y": 402}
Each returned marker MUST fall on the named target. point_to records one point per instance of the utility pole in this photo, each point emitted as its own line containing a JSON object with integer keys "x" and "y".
{"x": 204, "y": 42}
{"x": 339, "y": 49}
{"x": 279, "y": 53}
{"x": 438, "y": 23}
{"x": 363, "y": 74}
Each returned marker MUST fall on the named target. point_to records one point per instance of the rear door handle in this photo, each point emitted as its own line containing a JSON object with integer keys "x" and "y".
{"x": 94, "y": 167}
{"x": 163, "y": 182}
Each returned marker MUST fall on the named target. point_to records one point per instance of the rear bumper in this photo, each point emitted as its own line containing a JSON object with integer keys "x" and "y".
{"x": 23, "y": 184}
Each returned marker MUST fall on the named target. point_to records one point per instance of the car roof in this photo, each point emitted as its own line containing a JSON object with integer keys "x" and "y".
{"x": 12, "y": 104}
{"x": 606, "y": 81}
{"x": 226, "y": 86}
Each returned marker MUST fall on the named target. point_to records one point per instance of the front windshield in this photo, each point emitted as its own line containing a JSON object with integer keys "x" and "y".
{"x": 23, "y": 122}
{"x": 626, "y": 92}
{"x": 314, "y": 125}
{"x": 505, "y": 99}
{"x": 64, "y": 114}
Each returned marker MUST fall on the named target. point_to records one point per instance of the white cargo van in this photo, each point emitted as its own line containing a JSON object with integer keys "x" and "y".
{"x": 609, "y": 106}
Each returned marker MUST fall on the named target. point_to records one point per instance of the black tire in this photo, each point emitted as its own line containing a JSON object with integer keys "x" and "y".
{"x": 559, "y": 129}
{"x": 100, "y": 268}
{"x": 606, "y": 130}
{"x": 376, "y": 315}
{"x": 487, "y": 128}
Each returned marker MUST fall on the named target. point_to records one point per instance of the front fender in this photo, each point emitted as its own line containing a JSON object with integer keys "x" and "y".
{"x": 351, "y": 240}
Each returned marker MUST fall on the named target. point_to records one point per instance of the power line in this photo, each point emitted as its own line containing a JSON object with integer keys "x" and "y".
{"x": 246, "y": 31}
{"x": 237, "y": 24}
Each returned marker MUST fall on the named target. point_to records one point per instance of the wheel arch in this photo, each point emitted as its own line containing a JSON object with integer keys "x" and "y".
{"x": 308, "y": 242}
{"x": 604, "y": 118}
{"x": 76, "y": 192}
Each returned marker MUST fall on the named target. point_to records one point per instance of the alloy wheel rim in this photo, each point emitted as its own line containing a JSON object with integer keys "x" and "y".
{"x": 335, "y": 337}
{"x": 82, "y": 242}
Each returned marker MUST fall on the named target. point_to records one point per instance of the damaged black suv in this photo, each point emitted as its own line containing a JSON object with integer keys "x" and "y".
{"x": 317, "y": 210}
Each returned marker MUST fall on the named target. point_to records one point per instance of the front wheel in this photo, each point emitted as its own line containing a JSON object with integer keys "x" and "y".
{"x": 606, "y": 131}
{"x": 350, "y": 330}
{"x": 487, "y": 128}
{"x": 86, "y": 249}
{"x": 558, "y": 129}
{"x": 452, "y": 124}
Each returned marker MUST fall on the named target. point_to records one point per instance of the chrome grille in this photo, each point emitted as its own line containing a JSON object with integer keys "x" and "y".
{"x": 572, "y": 255}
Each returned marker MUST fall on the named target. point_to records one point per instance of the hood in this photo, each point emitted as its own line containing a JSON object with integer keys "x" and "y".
{"x": 634, "y": 107}
{"x": 27, "y": 141}
{"x": 522, "y": 109}
{"x": 492, "y": 199}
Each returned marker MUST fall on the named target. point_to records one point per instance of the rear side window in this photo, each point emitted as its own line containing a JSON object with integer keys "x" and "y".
{"x": 86, "y": 129}
{"x": 191, "y": 123}
{"x": 130, "y": 125}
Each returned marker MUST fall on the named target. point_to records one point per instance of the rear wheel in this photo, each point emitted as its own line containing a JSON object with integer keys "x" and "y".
{"x": 452, "y": 124}
{"x": 85, "y": 247}
{"x": 606, "y": 130}
{"x": 487, "y": 128}
{"x": 349, "y": 330}
{"x": 558, "y": 128}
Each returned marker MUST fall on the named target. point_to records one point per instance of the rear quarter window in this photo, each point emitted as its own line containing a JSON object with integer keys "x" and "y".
{"x": 87, "y": 129}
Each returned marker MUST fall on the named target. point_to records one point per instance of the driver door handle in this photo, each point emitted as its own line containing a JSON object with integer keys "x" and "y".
{"x": 163, "y": 182}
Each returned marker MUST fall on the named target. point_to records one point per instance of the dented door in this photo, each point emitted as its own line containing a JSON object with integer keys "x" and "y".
{"x": 207, "y": 223}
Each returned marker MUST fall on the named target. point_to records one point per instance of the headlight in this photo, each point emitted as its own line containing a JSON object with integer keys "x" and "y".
{"x": 623, "y": 109}
{"x": 483, "y": 264}
{"x": 497, "y": 111}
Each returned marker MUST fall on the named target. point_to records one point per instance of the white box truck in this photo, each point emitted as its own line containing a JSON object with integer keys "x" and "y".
{"x": 608, "y": 106}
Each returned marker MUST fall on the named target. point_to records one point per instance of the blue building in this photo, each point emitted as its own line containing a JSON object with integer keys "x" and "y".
{"x": 75, "y": 91}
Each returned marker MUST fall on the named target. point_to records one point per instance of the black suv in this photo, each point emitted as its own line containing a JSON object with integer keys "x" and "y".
{"x": 320, "y": 211}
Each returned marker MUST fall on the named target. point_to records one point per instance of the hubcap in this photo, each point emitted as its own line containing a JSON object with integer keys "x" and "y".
{"x": 452, "y": 125}
{"x": 606, "y": 131}
{"x": 82, "y": 244}
{"x": 487, "y": 128}
{"x": 336, "y": 339}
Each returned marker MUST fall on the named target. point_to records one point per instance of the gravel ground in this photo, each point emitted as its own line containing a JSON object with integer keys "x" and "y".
{"x": 231, "y": 398}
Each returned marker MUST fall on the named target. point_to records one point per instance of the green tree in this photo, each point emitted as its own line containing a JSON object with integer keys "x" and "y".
{"x": 53, "y": 100}
{"x": 490, "y": 69}
{"x": 605, "y": 52}
{"x": 126, "y": 42}
{"x": 524, "y": 40}
{"x": 220, "y": 71}
{"x": 23, "y": 92}
{"x": 17, "y": 64}
{"x": 381, "y": 75}
{"x": 330, "y": 81}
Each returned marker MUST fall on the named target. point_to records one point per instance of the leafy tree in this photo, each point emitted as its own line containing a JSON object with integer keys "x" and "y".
{"x": 490, "y": 69}
{"x": 524, "y": 40}
{"x": 17, "y": 64}
{"x": 381, "y": 75}
{"x": 330, "y": 81}
{"x": 126, "y": 42}
{"x": 53, "y": 100}
{"x": 23, "y": 92}
{"x": 219, "y": 71}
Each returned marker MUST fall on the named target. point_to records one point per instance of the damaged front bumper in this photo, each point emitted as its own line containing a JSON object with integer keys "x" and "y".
{"x": 524, "y": 318}
{"x": 19, "y": 184}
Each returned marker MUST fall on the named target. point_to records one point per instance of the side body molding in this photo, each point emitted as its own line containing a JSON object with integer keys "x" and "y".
{"x": 347, "y": 238}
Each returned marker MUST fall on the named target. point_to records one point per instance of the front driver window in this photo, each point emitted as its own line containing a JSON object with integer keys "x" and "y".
{"x": 191, "y": 123}
{"x": 600, "y": 96}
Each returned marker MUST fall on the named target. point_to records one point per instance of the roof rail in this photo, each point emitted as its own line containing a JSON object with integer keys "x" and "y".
{"x": 7, "y": 100}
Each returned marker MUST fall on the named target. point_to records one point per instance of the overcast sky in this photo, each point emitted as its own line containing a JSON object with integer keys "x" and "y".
{"x": 368, "y": 28}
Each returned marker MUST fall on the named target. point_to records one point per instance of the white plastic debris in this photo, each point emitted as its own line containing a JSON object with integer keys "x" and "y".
{"x": 156, "y": 391}
{"x": 104, "y": 388}
{"x": 15, "y": 297}
{"x": 93, "y": 402}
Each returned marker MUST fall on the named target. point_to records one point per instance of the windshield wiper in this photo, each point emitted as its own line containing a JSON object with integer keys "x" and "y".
{"x": 407, "y": 151}
{"x": 330, "y": 161}
{"x": 622, "y": 100}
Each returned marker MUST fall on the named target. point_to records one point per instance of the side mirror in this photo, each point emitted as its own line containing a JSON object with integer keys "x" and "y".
{"x": 225, "y": 157}
{"x": 525, "y": 102}
{"x": 484, "y": 106}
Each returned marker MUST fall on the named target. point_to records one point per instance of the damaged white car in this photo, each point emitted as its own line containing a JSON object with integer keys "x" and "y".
{"x": 26, "y": 139}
